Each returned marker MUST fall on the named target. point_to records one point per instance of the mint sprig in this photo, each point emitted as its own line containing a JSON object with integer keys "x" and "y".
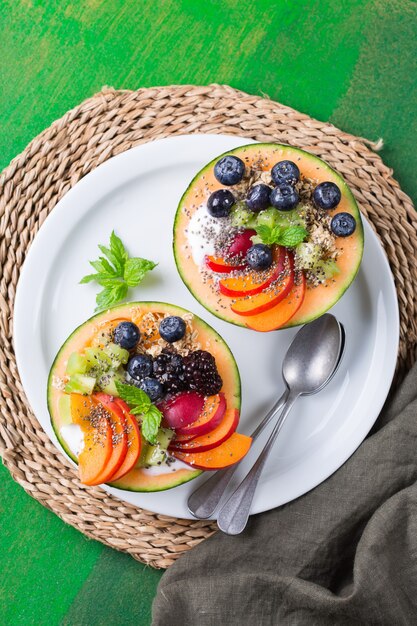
{"x": 116, "y": 272}
{"x": 140, "y": 404}
{"x": 287, "y": 236}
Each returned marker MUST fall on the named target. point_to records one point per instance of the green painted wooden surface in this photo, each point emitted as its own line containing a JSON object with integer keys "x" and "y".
{"x": 352, "y": 62}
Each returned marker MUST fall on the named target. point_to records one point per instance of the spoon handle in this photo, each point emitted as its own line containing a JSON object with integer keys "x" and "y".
{"x": 204, "y": 500}
{"x": 234, "y": 515}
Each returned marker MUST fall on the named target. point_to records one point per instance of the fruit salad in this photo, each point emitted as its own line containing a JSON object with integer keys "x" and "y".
{"x": 268, "y": 236}
{"x": 145, "y": 396}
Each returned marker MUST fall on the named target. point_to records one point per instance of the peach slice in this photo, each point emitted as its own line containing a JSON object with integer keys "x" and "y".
{"x": 97, "y": 433}
{"x": 282, "y": 312}
{"x": 253, "y": 305}
{"x": 134, "y": 441}
{"x": 209, "y": 418}
{"x": 227, "y": 453}
{"x": 118, "y": 425}
{"x": 254, "y": 281}
{"x": 212, "y": 439}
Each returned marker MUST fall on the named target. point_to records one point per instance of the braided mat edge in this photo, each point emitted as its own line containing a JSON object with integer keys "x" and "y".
{"x": 99, "y": 128}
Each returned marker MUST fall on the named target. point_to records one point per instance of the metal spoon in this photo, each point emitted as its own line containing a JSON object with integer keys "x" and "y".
{"x": 204, "y": 500}
{"x": 307, "y": 368}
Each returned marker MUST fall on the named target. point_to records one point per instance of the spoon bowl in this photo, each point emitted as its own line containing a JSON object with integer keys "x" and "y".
{"x": 313, "y": 355}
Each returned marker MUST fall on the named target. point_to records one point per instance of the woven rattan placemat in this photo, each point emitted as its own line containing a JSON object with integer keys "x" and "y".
{"x": 99, "y": 128}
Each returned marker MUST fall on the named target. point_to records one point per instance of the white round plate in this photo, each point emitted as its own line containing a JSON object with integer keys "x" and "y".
{"x": 136, "y": 194}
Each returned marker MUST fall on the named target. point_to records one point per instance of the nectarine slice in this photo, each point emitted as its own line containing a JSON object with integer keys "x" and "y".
{"x": 118, "y": 425}
{"x": 134, "y": 441}
{"x": 281, "y": 313}
{"x": 220, "y": 266}
{"x": 93, "y": 421}
{"x": 253, "y": 282}
{"x": 182, "y": 410}
{"x": 227, "y": 453}
{"x": 274, "y": 293}
{"x": 210, "y": 417}
{"x": 212, "y": 439}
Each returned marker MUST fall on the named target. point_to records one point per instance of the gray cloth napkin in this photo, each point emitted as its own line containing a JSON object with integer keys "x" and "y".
{"x": 345, "y": 553}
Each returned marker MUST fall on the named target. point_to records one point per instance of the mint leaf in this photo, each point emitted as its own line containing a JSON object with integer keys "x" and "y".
{"x": 116, "y": 272}
{"x": 111, "y": 294}
{"x": 108, "y": 268}
{"x": 117, "y": 248}
{"x": 135, "y": 270}
{"x": 118, "y": 266}
{"x": 289, "y": 236}
{"x": 151, "y": 422}
{"x": 98, "y": 265}
{"x": 120, "y": 291}
{"x": 265, "y": 233}
{"x": 140, "y": 404}
{"x": 89, "y": 278}
{"x": 105, "y": 299}
{"x": 292, "y": 236}
{"x": 137, "y": 399}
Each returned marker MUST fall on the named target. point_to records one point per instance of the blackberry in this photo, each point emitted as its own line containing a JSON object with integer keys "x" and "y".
{"x": 168, "y": 368}
{"x": 201, "y": 373}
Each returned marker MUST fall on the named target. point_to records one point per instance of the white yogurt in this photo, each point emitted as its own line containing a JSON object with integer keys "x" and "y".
{"x": 201, "y": 245}
{"x": 164, "y": 468}
{"x": 73, "y": 437}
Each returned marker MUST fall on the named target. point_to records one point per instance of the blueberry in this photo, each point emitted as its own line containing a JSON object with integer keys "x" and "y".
{"x": 140, "y": 366}
{"x": 152, "y": 387}
{"x": 220, "y": 203}
{"x": 229, "y": 170}
{"x": 285, "y": 173}
{"x": 326, "y": 196}
{"x": 343, "y": 224}
{"x": 259, "y": 257}
{"x": 172, "y": 328}
{"x": 258, "y": 197}
{"x": 284, "y": 198}
{"x": 127, "y": 335}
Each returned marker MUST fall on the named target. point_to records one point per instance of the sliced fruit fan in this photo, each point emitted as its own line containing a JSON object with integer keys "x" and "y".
{"x": 145, "y": 396}
{"x": 268, "y": 236}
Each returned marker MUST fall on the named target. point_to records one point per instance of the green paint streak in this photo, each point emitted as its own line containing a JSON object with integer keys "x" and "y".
{"x": 308, "y": 54}
{"x": 117, "y": 592}
{"x": 382, "y": 96}
{"x": 41, "y": 569}
{"x": 352, "y": 60}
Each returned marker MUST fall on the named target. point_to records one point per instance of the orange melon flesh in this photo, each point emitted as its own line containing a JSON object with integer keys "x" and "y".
{"x": 317, "y": 299}
{"x": 99, "y": 339}
{"x": 98, "y": 448}
{"x": 137, "y": 479}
